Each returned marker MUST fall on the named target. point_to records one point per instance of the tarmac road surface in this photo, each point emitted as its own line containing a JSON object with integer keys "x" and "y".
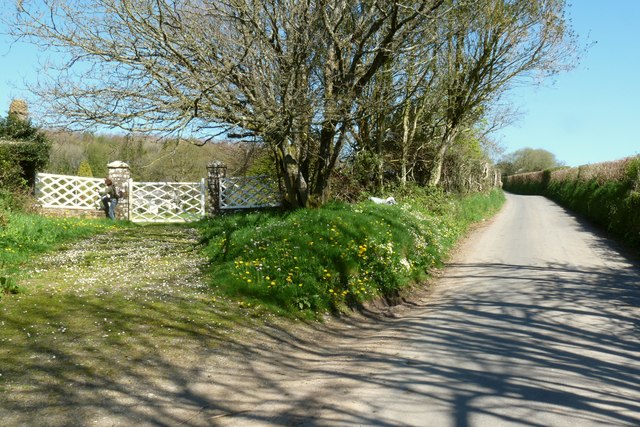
{"x": 535, "y": 323}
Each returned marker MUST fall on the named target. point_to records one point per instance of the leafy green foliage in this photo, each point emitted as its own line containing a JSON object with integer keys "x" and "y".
{"x": 10, "y": 175}
{"x": 311, "y": 261}
{"x": 8, "y": 286}
{"x": 467, "y": 166}
{"x": 25, "y": 149}
{"x": 151, "y": 159}
{"x": 528, "y": 160}
{"x": 85, "y": 169}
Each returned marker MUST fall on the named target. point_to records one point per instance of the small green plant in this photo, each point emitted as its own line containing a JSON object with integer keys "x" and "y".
{"x": 8, "y": 286}
{"x": 84, "y": 169}
{"x": 4, "y": 219}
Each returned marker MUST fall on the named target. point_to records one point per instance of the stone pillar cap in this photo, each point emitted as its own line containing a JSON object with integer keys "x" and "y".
{"x": 117, "y": 164}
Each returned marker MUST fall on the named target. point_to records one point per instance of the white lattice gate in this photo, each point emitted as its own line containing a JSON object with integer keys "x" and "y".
{"x": 67, "y": 192}
{"x": 249, "y": 192}
{"x": 157, "y": 201}
{"x": 166, "y": 201}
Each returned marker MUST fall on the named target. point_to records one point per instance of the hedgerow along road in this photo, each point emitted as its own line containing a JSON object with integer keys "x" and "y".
{"x": 534, "y": 323}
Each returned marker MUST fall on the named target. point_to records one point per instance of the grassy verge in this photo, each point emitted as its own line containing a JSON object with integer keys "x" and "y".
{"x": 302, "y": 264}
{"x": 308, "y": 262}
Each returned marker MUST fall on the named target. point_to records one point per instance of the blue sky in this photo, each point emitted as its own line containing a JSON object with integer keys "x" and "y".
{"x": 587, "y": 115}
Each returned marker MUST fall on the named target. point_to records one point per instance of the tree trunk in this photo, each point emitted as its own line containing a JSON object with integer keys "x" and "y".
{"x": 380, "y": 172}
{"x": 295, "y": 185}
{"x": 405, "y": 143}
{"x": 436, "y": 170}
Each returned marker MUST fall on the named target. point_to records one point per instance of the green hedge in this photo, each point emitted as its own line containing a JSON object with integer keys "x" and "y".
{"x": 24, "y": 159}
{"x": 608, "y": 194}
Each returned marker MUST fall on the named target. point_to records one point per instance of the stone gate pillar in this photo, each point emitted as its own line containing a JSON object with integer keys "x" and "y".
{"x": 120, "y": 174}
{"x": 215, "y": 172}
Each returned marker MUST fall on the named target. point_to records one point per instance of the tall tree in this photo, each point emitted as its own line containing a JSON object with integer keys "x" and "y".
{"x": 287, "y": 71}
{"x": 488, "y": 46}
{"x": 441, "y": 90}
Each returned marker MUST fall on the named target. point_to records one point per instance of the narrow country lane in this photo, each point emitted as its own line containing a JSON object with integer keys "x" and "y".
{"x": 535, "y": 323}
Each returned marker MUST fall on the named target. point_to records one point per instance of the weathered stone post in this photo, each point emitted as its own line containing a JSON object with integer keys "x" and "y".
{"x": 20, "y": 109}
{"x": 120, "y": 174}
{"x": 215, "y": 171}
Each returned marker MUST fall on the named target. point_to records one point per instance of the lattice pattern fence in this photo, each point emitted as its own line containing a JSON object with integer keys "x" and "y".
{"x": 68, "y": 192}
{"x": 166, "y": 201}
{"x": 249, "y": 192}
{"x": 158, "y": 201}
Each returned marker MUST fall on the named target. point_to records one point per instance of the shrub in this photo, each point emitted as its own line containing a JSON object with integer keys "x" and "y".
{"x": 85, "y": 169}
{"x": 8, "y": 286}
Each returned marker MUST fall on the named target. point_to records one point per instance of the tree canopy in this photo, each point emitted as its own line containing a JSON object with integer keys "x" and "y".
{"x": 309, "y": 79}
{"x": 24, "y": 149}
{"x": 528, "y": 160}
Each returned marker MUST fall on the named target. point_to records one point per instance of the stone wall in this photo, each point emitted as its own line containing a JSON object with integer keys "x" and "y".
{"x": 72, "y": 213}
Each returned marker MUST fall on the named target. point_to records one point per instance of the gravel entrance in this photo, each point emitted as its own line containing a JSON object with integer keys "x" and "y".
{"x": 152, "y": 261}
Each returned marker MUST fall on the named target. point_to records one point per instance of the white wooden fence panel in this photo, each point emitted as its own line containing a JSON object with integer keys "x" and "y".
{"x": 166, "y": 201}
{"x": 68, "y": 192}
{"x": 158, "y": 201}
{"x": 249, "y": 192}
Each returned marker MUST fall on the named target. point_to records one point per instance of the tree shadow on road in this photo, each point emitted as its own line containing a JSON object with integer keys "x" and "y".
{"x": 558, "y": 344}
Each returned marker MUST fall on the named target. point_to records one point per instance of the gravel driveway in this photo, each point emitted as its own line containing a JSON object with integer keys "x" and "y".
{"x": 152, "y": 262}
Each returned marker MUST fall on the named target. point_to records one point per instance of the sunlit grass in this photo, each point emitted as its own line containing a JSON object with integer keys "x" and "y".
{"x": 103, "y": 307}
{"x": 99, "y": 309}
{"x": 309, "y": 262}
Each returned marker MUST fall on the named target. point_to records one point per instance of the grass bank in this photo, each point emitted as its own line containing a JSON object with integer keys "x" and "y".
{"x": 23, "y": 236}
{"x": 308, "y": 262}
{"x": 301, "y": 263}
{"x": 607, "y": 194}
